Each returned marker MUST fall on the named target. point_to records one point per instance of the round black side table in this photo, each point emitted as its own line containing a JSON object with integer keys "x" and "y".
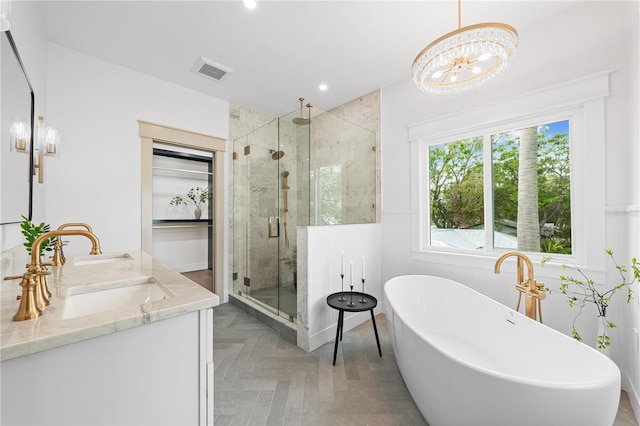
{"x": 352, "y": 303}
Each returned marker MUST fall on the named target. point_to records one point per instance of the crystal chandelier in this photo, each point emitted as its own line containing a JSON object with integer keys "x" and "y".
{"x": 465, "y": 58}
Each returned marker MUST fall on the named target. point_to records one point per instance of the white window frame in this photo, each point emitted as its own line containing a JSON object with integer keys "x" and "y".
{"x": 583, "y": 103}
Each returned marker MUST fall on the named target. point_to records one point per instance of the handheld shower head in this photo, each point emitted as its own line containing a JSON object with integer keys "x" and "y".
{"x": 285, "y": 174}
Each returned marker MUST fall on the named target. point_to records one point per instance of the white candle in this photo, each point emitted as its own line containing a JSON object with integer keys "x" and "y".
{"x": 363, "y": 267}
{"x": 342, "y": 263}
{"x": 351, "y": 272}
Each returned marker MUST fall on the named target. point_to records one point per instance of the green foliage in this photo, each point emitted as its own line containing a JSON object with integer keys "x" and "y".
{"x": 457, "y": 193}
{"x": 292, "y": 261}
{"x": 329, "y": 194}
{"x": 31, "y": 232}
{"x": 456, "y": 184}
{"x": 603, "y": 341}
{"x": 554, "y": 245}
{"x": 554, "y": 184}
{"x": 196, "y": 196}
{"x": 582, "y": 290}
{"x": 576, "y": 335}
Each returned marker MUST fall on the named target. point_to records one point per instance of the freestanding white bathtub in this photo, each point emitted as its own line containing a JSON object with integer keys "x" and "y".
{"x": 469, "y": 360}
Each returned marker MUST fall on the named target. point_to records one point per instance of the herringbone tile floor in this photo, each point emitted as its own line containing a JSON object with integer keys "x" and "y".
{"x": 263, "y": 380}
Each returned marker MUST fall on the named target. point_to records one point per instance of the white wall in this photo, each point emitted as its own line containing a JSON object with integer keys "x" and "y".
{"x": 551, "y": 52}
{"x": 97, "y": 105}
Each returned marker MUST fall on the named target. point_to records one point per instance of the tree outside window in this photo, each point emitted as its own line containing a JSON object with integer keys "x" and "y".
{"x": 531, "y": 190}
{"x": 327, "y": 196}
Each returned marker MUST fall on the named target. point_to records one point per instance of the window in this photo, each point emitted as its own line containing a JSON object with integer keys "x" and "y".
{"x": 569, "y": 122}
{"x": 326, "y": 198}
{"x": 528, "y": 183}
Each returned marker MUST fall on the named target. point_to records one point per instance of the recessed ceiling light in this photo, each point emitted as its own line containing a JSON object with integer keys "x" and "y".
{"x": 250, "y": 4}
{"x": 323, "y": 87}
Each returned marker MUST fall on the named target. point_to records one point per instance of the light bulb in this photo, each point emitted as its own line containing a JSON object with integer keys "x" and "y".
{"x": 5, "y": 15}
{"x": 250, "y": 4}
{"x": 437, "y": 74}
{"x": 20, "y": 134}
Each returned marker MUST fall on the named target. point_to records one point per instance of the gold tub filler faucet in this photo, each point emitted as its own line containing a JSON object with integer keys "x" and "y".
{"x": 533, "y": 290}
{"x": 35, "y": 294}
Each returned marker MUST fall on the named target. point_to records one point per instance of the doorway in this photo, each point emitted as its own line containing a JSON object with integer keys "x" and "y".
{"x": 189, "y": 161}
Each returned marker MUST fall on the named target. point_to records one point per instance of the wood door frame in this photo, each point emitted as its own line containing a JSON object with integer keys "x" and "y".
{"x": 150, "y": 133}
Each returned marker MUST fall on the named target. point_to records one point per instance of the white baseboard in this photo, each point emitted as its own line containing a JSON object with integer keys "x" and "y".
{"x": 188, "y": 267}
{"x": 632, "y": 393}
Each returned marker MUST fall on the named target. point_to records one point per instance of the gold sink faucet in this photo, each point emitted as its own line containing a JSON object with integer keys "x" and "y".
{"x": 532, "y": 290}
{"x": 28, "y": 308}
{"x": 58, "y": 255}
{"x": 35, "y": 294}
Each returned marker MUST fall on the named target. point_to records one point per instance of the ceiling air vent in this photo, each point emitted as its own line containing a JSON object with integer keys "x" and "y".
{"x": 211, "y": 69}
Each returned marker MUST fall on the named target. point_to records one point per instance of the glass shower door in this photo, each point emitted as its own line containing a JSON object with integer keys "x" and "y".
{"x": 257, "y": 216}
{"x": 263, "y": 214}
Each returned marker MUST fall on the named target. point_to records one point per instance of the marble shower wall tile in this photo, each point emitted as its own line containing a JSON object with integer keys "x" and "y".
{"x": 365, "y": 112}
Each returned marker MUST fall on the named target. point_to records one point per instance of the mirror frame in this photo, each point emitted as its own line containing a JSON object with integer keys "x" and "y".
{"x": 32, "y": 115}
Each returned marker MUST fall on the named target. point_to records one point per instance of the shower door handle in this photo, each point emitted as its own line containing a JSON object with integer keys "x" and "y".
{"x": 274, "y": 226}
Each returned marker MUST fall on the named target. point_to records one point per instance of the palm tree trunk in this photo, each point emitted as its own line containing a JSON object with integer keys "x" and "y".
{"x": 528, "y": 225}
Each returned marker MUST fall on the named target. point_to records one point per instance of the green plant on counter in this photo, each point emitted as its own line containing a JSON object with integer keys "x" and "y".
{"x": 583, "y": 290}
{"x": 196, "y": 196}
{"x": 31, "y": 232}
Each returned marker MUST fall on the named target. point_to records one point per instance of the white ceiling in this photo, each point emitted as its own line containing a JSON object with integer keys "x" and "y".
{"x": 280, "y": 51}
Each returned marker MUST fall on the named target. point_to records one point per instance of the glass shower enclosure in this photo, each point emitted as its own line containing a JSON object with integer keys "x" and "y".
{"x": 307, "y": 168}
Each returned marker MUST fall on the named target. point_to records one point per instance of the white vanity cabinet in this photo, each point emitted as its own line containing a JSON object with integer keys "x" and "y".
{"x": 115, "y": 368}
{"x": 149, "y": 375}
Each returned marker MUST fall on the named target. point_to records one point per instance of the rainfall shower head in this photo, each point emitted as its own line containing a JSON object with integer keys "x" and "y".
{"x": 276, "y": 155}
{"x": 301, "y": 120}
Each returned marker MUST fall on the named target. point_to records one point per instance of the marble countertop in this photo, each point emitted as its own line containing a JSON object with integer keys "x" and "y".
{"x": 51, "y": 330}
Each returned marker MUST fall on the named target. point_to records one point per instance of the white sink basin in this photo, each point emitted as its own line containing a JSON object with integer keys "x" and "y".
{"x": 101, "y": 258}
{"x": 104, "y": 297}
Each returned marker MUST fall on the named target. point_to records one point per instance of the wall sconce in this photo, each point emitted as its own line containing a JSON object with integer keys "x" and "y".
{"x": 48, "y": 143}
{"x": 20, "y": 134}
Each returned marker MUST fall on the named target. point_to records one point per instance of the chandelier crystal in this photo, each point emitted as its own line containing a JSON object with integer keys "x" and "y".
{"x": 465, "y": 58}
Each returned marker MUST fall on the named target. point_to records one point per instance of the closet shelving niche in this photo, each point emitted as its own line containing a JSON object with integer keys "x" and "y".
{"x": 175, "y": 171}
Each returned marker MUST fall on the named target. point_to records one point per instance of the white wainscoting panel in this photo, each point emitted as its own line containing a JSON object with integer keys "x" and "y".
{"x": 319, "y": 265}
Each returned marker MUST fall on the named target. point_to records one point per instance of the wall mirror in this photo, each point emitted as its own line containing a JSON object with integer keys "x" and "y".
{"x": 16, "y": 152}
